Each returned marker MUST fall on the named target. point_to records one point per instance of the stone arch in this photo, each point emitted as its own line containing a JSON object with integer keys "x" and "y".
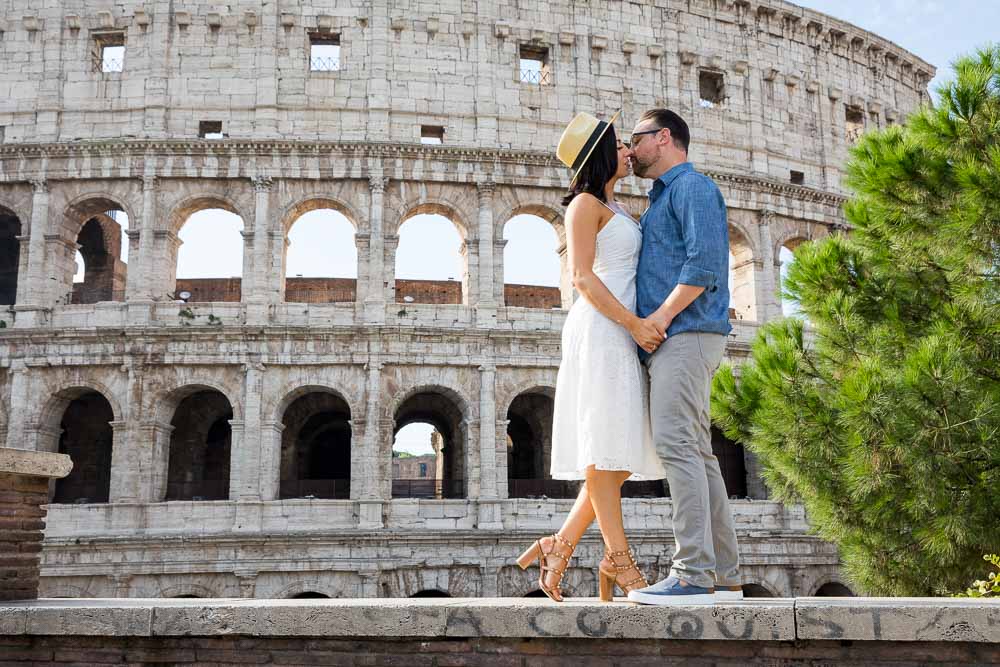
{"x": 291, "y": 391}
{"x": 316, "y": 444}
{"x": 53, "y": 408}
{"x": 77, "y": 421}
{"x": 430, "y": 593}
{"x": 743, "y": 272}
{"x": 529, "y": 446}
{"x": 296, "y": 589}
{"x": 166, "y": 401}
{"x": 457, "y": 203}
{"x": 317, "y": 201}
{"x": 187, "y": 590}
{"x": 181, "y": 210}
{"x": 833, "y": 588}
{"x": 791, "y": 239}
{"x": 449, "y": 412}
{"x": 531, "y": 384}
{"x": 532, "y": 296}
{"x": 200, "y": 448}
{"x": 759, "y": 589}
{"x": 547, "y": 211}
{"x": 83, "y": 207}
{"x": 85, "y": 224}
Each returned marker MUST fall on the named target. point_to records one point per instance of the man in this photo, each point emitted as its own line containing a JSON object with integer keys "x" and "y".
{"x": 683, "y": 289}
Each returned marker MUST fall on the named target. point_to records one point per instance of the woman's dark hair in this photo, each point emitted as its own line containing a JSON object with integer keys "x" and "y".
{"x": 600, "y": 167}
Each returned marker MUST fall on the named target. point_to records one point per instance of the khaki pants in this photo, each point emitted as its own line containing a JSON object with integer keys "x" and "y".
{"x": 680, "y": 378}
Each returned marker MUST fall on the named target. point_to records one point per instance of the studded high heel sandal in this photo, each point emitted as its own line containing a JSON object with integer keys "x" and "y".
{"x": 536, "y": 552}
{"x": 611, "y": 573}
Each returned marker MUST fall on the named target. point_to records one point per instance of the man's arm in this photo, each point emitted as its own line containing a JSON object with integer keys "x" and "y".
{"x": 698, "y": 207}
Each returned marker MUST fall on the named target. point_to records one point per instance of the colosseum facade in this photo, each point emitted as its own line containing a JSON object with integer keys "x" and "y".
{"x": 240, "y": 443}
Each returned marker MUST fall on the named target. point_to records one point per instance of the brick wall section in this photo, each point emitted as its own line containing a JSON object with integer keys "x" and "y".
{"x": 336, "y": 290}
{"x": 22, "y": 522}
{"x": 61, "y": 650}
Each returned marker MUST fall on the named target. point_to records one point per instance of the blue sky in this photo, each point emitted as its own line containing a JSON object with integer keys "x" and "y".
{"x": 936, "y": 30}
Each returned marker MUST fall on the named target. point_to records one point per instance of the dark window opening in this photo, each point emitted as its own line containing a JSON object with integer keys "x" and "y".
{"x": 324, "y": 52}
{"x": 535, "y": 67}
{"x": 210, "y": 129}
{"x": 797, "y": 177}
{"x": 108, "y": 52}
{"x": 431, "y": 134}
{"x": 711, "y": 88}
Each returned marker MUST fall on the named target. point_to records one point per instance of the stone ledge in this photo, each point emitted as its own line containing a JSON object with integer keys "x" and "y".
{"x": 860, "y": 619}
{"x": 34, "y": 464}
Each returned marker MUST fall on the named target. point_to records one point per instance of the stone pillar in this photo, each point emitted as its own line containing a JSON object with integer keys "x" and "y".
{"x": 252, "y": 465}
{"x": 24, "y": 478}
{"x": 390, "y": 245}
{"x": 376, "y": 294}
{"x": 32, "y": 299}
{"x": 124, "y": 485}
{"x": 154, "y": 461}
{"x": 256, "y": 284}
{"x": 363, "y": 285}
{"x": 368, "y": 485}
{"x": 489, "y": 505}
{"x": 756, "y": 488}
{"x": 500, "y": 432}
{"x": 143, "y": 283}
{"x": 486, "y": 303}
{"x": 767, "y": 284}
{"x": 17, "y": 411}
{"x": 270, "y": 469}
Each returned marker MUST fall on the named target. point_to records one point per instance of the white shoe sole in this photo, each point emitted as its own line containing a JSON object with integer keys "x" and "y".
{"x": 729, "y": 596}
{"x": 670, "y": 600}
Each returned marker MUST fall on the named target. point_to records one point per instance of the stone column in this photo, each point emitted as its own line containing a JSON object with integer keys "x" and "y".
{"x": 390, "y": 245}
{"x": 768, "y": 281}
{"x": 17, "y": 411}
{"x": 124, "y": 486}
{"x": 32, "y": 298}
{"x": 500, "y": 432}
{"x": 253, "y": 464}
{"x": 256, "y": 284}
{"x": 363, "y": 285}
{"x": 486, "y": 304}
{"x": 367, "y": 484}
{"x": 270, "y": 471}
{"x": 376, "y": 295}
{"x": 24, "y": 477}
{"x": 143, "y": 283}
{"x": 489, "y": 504}
{"x": 154, "y": 461}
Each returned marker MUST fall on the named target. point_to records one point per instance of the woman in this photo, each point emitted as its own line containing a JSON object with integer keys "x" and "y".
{"x": 601, "y": 431}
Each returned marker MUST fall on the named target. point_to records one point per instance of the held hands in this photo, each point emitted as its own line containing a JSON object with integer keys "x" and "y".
{"x": 649, "y": 333}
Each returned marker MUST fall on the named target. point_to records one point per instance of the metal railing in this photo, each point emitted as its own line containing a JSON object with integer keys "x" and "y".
{"x": 206, "y": 489}
{"x": 335, "y": 489}
{"x": 321, "y": 294}
{"x": 428, "y": 488}
{"x": 321, "y": 64}
{"x": 559, "y": 488}
{"x": 535, "y": 77}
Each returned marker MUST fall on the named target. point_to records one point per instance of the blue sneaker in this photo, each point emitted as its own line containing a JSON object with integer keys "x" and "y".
{"x": 671, "y": 591}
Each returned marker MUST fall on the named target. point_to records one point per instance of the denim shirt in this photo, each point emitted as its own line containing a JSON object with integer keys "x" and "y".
{"x": 685, "y": 240}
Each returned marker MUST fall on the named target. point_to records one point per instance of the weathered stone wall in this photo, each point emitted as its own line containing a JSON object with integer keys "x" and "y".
{"x": 78, "y": 143}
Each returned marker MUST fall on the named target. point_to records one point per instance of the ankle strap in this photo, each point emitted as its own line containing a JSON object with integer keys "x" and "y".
{"x": 561, "y": 540}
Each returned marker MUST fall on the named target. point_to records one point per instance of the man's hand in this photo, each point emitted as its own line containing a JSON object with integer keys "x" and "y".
{"x": 661, "y": 320}
{"x": 645, "y": 335}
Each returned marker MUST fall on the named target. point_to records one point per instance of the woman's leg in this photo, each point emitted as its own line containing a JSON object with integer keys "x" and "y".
{"x": 605, "y": 490}
{"x": 578, "y": 520}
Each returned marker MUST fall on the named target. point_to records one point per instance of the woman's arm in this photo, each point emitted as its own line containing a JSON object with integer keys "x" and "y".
{"x": 583, "y": 218}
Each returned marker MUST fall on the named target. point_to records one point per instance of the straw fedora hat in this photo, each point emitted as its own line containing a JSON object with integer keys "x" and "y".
{"x": 579, "y": 140}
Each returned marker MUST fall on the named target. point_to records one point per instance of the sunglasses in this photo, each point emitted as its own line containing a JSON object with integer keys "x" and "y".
{"x": 632, "y": 142}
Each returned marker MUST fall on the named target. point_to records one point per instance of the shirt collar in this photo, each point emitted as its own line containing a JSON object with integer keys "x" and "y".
{"x": 661, "y": 184}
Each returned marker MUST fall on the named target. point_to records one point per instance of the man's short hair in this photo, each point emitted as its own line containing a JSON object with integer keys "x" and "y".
{"x": 665, "y": 118}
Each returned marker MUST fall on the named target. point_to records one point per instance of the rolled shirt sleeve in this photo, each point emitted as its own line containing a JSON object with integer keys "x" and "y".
{"x": 701, "y": 211}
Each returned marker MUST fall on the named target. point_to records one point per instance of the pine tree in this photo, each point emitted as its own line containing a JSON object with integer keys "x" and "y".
{"x": 882, "y": 414}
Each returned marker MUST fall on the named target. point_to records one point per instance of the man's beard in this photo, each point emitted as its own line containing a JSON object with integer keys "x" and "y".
{"x": 638, "y": 168}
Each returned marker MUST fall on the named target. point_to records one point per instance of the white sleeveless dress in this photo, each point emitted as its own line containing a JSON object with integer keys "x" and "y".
{"x": 601, "y": 408}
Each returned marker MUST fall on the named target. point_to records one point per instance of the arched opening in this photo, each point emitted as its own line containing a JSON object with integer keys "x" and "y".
{"x": 532, "y": 270}
{"x": 742, "y": 277}
{"x": 309, "y": 595}
{"x": 10, "y": 256}
{"x": 417, "y": 461}
{"x": 431, "y": 265}
{"x": 321, "y": 258}
{"x": 539, "y": 593}
{"x": 316, "y": 447}
{"x": 430, "y": 593}
{"x": 209, "y": 257}
{"x": 786, "y": 255}
{"x": 731, "y": 462}
{"x": 443, "y": 423}
{"x": 200, "y": 444}
{"x": 529, "y": 448}
{"x": 101, "y": 267}
{"x": 834, "y": 589}
{"x": 87, "y": 438}
{"x": 756, "y": 591}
